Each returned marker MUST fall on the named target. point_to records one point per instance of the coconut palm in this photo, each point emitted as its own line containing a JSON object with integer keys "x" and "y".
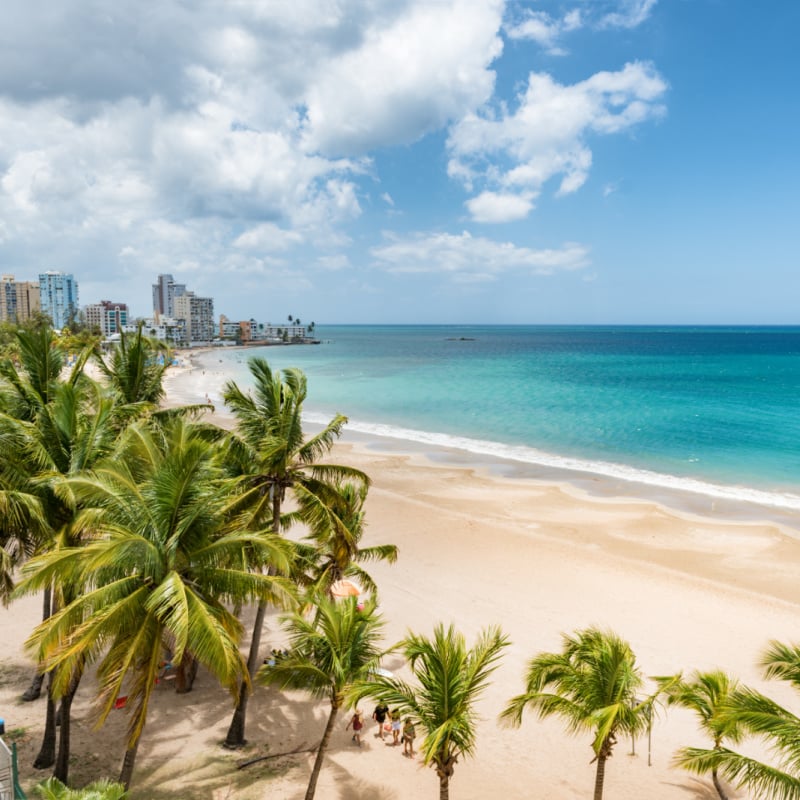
{"x": 135, "y": 369}
{"x": 450, "y": 677}
{"x": 336, "y": 526}
{"x": 761, "y": 716}
{"x": 592, "y": 684}
{"x": 270, "y": 455}
{"x": 164, "y": 557}
{"x": 331, "y": 649}
{"x": 53, "y": 789}
{"x": 709, "y": 695}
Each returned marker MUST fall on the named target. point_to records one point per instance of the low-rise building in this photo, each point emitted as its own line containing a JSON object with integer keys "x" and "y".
{"x": 109, "y": 317}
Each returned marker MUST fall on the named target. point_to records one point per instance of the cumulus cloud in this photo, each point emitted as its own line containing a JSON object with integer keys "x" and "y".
{"x": 465, "y": 257}
{"x": 203, "y": 139}
{"x": 406, "y": 79}
{"x": 541, "y": 27}
{"x": 628, "y": 14}
{"x": 500, "y": 207}
{"x": 546, "y": 135}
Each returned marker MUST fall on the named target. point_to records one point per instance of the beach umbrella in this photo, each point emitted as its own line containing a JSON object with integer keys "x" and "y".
{"x": 346, "y": 588}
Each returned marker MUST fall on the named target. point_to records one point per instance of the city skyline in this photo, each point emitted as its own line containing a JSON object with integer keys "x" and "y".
{"x": 614, "y": 161}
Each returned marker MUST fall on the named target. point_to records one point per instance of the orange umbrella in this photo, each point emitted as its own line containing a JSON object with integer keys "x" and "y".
{"x": 346, "y": 588}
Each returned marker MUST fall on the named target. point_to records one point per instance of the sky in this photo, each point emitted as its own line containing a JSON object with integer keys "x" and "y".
{"x": 409, "y": 161}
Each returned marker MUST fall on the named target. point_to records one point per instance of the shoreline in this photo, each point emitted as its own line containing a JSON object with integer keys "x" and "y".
{"x": 683, "y": 496}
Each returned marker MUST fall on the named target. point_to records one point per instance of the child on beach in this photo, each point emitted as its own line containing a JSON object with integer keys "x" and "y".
{"x": 357, "y": 723}
{"x": 408, "y": 738}
{"x": 394, "y": 716}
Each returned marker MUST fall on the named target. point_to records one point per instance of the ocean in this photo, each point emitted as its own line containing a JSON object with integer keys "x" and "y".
{"x": 709, "y": 413}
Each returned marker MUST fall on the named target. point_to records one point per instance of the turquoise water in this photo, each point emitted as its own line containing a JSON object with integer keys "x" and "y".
{"x": 712, "y": 410}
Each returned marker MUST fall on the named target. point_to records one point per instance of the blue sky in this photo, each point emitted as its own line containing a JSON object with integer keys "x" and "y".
{"x": 589, "y": 161}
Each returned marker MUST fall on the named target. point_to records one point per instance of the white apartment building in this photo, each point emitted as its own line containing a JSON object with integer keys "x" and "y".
{"x": 109, "y": 317}
{"x": 198, "y": 314}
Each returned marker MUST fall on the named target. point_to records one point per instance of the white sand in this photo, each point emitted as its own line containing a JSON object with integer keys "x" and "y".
{"x": 475, "y": 549}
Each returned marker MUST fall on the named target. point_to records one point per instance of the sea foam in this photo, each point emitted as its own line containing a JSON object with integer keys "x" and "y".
{"x": 529, "y": 455}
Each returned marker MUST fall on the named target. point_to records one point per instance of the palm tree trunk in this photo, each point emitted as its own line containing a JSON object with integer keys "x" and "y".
{"x": 235, "y": 736}
{"x": 47, "y": 752}
{"x": 34, "y": 691}
{"x": 323, "y": 746}
{"x": 61, "y": 770}
{"x": 600, "y": 777}
{"x": 718, "y": 785}
{"x": 185, "y": 673}
{"x": 126, "y": 774}
{"x": 444, "y": 787}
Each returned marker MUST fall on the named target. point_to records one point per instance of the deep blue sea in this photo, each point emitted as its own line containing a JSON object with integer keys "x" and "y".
{"x": 709, "y": 410}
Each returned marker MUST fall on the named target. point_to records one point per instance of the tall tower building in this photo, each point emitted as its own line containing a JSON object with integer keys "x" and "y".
{"x": 19, "y": 300}
{"x": 165, "y": 290}
{"x": 198, "y": 312}
{"x": 58, "y": 294}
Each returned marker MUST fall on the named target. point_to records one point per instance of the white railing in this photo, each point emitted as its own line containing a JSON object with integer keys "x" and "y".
{"x": 6, "y": 773}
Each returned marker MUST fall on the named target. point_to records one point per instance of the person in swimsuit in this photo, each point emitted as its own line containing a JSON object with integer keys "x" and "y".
{"x": 394, "y": 716}
{"x": 408, "y": 738}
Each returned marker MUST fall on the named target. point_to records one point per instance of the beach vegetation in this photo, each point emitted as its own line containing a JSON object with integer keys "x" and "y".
{"x": 449, "y": 677}
{"x": 763, "y": 717}
{"x": 53, "y": 789}
{"x": 592, "y": 684}
{"x": 332, "y": 648}
{"x": 160, "y": 561}
{"x": 57, "y": 428}
{"x": 336, "y": 526}
{"x": 710, "y": 696}
{"x": 269, "y": 455}
{"x": 135, "y": 367}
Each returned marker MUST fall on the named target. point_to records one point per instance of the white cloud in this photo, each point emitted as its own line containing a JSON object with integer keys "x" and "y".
{"x": 629, "y": 14}
{"x": 546, "y": 135}
{"x": 542, "y": 28}
{"x": 465, "y": 257}
{"x": 500, "y": 207}
{"x": 405, "y": 79}
{"x": 267, "y": 237}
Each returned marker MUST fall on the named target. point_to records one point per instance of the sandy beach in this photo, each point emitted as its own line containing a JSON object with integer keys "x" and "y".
{"x": 476, "y": 548}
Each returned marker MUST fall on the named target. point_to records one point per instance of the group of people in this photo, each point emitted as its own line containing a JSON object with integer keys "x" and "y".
{"x": 388, "y": 721}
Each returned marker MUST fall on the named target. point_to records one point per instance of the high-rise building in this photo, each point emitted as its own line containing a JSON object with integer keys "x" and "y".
{"x": 165, "y": 290}
{"x": 107, "y": 316}
{"x": 198, "y": 312}
{"x": 58, "y": 295}
{"x": 18, "y": 299}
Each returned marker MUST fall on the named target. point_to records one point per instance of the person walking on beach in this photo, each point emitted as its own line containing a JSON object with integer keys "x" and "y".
{"x": 408, "y": 738}
{"x": 358, "y": 723}
{"x": 379, "y": 715}
{"x": 394, "y": 716}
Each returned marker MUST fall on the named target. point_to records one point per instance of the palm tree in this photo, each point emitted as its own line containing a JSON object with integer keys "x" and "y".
{"x": 592, "y": 684}
{"x": 336, "y": 528}
{"x": 761, "y": 716}
{"x": 331, "y": 650}
{"x": 270, "y": 455}
{"x": 450, "y": 678}
{"x": 709, "y": 695}
{"x": 164, "y": 557}
{"x": 53, "y": 789}
{"x": 135, "y": 372}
